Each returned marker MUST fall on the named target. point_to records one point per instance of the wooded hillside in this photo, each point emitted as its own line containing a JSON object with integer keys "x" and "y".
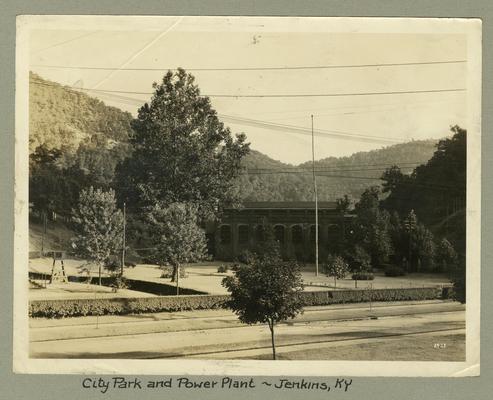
{"x": 90, "y": 138}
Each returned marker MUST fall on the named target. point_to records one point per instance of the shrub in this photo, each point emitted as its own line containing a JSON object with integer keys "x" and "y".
{"x": 358, "y": 259}
{"x": 394, "y": 270}
{"x": 113, "y": 266}
{"x": 167, "y": 272}
{"x": 363, "y": 276}
{"x": 130, "y": 264}
{"x": 245, "y": 256}
{"x": 118, "y": 282}
{"x": 336, "y": 267}
{"x": 223, "y": 268}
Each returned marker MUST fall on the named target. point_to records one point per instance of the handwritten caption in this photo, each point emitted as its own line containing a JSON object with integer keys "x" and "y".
{"x": 104, "y": 385}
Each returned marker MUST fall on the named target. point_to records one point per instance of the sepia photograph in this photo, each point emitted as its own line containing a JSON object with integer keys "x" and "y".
{"x": 278, "y": 195}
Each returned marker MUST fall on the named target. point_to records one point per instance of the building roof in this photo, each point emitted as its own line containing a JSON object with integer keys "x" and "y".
{"x": 288, "y": 205}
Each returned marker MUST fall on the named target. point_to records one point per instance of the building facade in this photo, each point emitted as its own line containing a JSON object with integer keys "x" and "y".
{"x": 293, "y": 224}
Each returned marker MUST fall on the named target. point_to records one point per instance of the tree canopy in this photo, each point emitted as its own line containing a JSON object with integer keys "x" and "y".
{"x": 266, "y": 290}
{"x": 435, "y": 190}
{"x": 177, "y": 237}
{"x": 182, "y": 151}
{"x": 370, "y": 228}
{"x": 99, "y": 226}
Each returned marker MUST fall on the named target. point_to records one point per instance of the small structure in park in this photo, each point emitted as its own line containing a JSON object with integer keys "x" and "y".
{"x": 58, "y": 274}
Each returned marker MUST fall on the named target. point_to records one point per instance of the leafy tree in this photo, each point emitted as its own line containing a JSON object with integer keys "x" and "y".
{"x": 99, "y": 226}
{"x": 436, "y": 190}
{"x": 410, "y": 226}
{"x": 336, "y": 267}
{"x": 397, "y": 185}
{"x": 424, "y": 250}
{"x": 52, "y": 187}
{"x": 420, "y": 243}
{"x": 182, "y": 151}
{"x": 343, "y": 204}
{"x": 398, "y": 237}
{"x": 371, "y": 226}
{"x": 358, "y": 259}
{"x": 446, "y": 256}
{"x": 266, "y": 290}
{"x": 177, "y": 237}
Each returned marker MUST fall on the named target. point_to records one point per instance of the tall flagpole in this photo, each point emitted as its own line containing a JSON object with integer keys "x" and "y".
{"x": 316, "y": 202}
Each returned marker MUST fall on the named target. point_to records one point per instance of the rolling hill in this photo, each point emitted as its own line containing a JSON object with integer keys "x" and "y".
{"x": 94, "y": 137}
{"x": 266, "y": 179}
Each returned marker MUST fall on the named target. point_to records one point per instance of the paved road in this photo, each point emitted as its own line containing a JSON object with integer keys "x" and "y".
{"x": 217, "y": 333}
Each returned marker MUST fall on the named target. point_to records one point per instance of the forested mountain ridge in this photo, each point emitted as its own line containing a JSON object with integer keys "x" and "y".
{"x": 89, "y": 139}
{"x": 64, "y": 119}
{"x": 266, "y": 179}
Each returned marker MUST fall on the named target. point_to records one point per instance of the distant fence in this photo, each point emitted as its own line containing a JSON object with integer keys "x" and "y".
{"x": 81, "y": 307}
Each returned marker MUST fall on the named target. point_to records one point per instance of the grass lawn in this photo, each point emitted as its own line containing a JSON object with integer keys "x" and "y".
{"x": 205, "y": 278}
{"x": 73, "y": 290}
{"x": 408, "y": 348}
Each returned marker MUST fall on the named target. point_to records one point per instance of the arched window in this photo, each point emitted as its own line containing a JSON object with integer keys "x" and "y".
{"x": 312, "y": 233}
{"x": 259, "y": 233}
{"x": 225, "y": 233}
{"x": 279, "y": 233}
{"x": 297, "y": 234}
{"x": 243, "y": 234}
{"x": 333, "y": 232}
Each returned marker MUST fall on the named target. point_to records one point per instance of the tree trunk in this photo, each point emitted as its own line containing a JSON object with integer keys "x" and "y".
{"x": 178, "y": 279}
{"x": 99, "y": 274}
{"x": 174, "y": 273}
{"x": 271, "y": 327}
{"x": 335, "y": 281}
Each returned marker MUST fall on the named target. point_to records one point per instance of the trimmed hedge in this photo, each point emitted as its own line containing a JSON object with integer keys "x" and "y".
{"x": 365, "y": 295}
{"x": 82, "y": 307}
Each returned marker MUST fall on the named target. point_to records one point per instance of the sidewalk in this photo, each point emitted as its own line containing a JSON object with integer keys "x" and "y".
{"x": 104, "y": 326}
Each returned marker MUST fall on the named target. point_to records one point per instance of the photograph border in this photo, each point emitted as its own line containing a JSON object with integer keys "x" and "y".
{"x": 22, "y": 363}
{"x": 56, "y": 387}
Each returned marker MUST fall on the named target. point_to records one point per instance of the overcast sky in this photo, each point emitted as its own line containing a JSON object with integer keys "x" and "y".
{"x": 222, "y": 43}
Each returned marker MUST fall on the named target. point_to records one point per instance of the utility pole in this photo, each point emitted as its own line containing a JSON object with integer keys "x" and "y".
{"x": 123, "y": 249}
{"x": 316, "y": 202}
{"x": 178, "y": 280}
{"x": 44, "y": 234}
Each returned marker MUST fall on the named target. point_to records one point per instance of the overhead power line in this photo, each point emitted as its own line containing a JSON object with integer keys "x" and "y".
{"x": 296, "y": 94}
{"x": 281, "y": 95}
{"x": 276, "y": 68}
{"x": 252, "y": 122}
{"x": 342, "y": 167}
{"x": 282, "y": 127}
{"x": 304, "y": 170}
{"x": 306, "y": 131}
